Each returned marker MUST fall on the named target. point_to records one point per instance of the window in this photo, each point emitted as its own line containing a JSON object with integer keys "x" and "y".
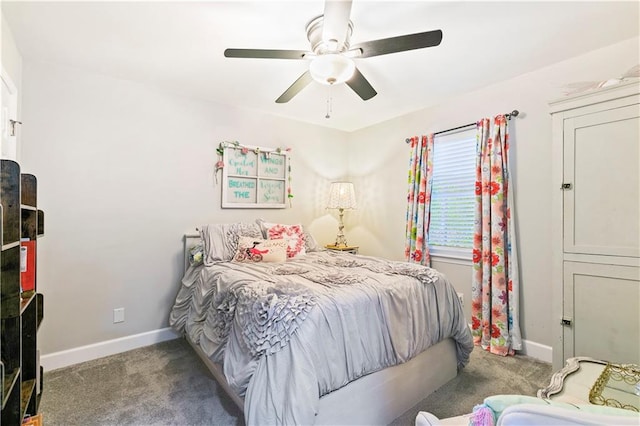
{"x": 453, "y": 194}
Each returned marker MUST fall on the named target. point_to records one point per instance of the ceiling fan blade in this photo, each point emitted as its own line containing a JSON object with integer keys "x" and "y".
{"x": 361, "y": 86}
{"x": 265, "y": 53}
{"x": 335, "y": 23}
{"x": 399, "y": 44}
{"x": 296, "y": 87}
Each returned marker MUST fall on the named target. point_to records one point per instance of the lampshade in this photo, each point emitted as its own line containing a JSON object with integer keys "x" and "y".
{"x": 331, "y": 68}
{"x": 342, "y": 196}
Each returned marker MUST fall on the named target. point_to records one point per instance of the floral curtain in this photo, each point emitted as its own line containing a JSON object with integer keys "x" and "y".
{"x": 495, "y": 285}
{"x": 418, "y": 199}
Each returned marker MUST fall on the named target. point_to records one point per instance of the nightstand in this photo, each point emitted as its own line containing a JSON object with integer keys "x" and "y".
{"x": 344, "y": 249}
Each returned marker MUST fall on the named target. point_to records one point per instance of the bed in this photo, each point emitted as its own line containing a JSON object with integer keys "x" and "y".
{"x": 319, "y": 337}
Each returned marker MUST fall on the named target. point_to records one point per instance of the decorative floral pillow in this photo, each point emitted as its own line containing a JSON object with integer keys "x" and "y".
{"x": 258, "y": 250}
{"x": 292, "y": 234}
{"x": 196, "y": 255}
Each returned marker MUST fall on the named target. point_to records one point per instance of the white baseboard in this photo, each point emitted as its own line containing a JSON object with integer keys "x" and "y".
{"x": 534, "y": 350}
{"x": 537, "y": 351}
{"x": 68, "y": 357}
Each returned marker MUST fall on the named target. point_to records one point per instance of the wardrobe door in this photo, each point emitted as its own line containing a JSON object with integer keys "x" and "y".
{"x": 604, "y": 301}
{"x": 602, "y": 165}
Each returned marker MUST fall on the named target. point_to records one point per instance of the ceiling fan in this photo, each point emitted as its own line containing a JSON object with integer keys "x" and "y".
{"x": 331, "y": 55}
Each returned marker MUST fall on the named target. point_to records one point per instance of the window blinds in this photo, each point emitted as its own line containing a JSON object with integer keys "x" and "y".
{"x": 453, "y": 190}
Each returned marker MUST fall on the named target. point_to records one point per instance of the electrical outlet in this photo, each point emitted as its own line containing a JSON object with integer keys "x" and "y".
{"x": 118, "y": 315}
{"x": 461, "y": 298}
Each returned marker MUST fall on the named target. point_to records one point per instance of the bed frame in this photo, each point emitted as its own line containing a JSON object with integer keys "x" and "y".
{"x": 374, "y": 399}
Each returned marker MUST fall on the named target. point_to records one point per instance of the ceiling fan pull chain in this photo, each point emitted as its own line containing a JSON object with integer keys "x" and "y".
{"x": 329, "y": 102}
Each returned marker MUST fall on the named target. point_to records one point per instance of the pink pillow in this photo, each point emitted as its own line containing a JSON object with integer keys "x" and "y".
{"x": 292, "y": 234}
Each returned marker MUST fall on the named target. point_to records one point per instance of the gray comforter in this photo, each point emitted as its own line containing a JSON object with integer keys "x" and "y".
{"x": 288, "y": 333}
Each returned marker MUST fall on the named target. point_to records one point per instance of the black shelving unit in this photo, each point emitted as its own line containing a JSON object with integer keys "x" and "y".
{"x": 21, "y": 312}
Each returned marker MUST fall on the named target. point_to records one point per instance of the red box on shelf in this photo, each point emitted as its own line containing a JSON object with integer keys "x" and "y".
{"x": 27, "y": 265}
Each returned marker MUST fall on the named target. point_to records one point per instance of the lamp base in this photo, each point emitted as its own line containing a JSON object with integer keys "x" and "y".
{"x": 341, "y": 241}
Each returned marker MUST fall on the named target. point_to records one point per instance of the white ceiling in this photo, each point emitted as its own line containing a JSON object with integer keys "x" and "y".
{"x": 179, "y": 46}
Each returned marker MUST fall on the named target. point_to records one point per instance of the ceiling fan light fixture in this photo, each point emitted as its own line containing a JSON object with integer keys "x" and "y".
{"x": 332, "y": 68}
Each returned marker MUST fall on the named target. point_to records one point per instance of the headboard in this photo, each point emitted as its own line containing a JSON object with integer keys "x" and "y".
{"x": 190, "y": 240}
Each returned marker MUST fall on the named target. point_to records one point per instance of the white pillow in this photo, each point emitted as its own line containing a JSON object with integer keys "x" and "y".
{"x": 310, "y": 243}
{"x": 292, "y": 234}
{"x": 259, "y": 250}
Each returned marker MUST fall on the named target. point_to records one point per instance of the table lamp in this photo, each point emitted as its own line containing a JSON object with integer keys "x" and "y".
{"x": 342, "y": 197}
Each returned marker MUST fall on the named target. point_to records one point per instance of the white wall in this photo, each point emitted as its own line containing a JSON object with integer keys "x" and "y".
{"x": 124, "y": 170}
{"x": 11, "y": 60}
{"x": 379, "y": 153}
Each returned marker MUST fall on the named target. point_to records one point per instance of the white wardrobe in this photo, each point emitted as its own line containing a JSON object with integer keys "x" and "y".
{"x": 596, "y": 234}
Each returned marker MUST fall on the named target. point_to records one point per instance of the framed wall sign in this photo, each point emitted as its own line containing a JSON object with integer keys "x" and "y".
{"x": 254, "y": 177}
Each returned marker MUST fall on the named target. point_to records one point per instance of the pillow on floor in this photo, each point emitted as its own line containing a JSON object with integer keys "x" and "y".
{"x": 497, "y": 404}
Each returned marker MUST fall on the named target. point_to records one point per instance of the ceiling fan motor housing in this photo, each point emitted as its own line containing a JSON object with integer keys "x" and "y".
{"x": 320, "y": 46}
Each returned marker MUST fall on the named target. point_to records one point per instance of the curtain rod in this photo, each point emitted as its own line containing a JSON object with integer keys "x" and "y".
{"x": 513, "y": 113}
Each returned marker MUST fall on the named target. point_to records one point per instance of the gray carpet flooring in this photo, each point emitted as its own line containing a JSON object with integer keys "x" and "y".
{"x": 167, "y": 384}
